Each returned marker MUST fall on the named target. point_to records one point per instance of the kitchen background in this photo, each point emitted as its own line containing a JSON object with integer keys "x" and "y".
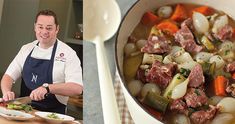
{"x": 16, "y": 29}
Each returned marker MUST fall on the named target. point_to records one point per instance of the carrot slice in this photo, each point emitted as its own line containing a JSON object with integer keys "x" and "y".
{"x": 219, "y": 85}
{"x": 168, "y": 26}
{"x": 149, "y": 19}
{"x": 205, "y": 10}
{"x": 179, "y": 14}
{"x": 233, "y": 32}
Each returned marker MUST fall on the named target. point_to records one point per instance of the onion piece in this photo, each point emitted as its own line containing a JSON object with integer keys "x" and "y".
{"x": 176, "y": 50}
{"x": 203, "y": 56}
{"x": 181, "y": 119}
{"x": 224, "y": 118}
{"x": 219, "y": 23}
{"x": 218, "y": 60}
{"x": 227, "y": 104}
{"x": 129, "y": 48}
{"x": 165, "y": 11}
{"x": 141, "y": 43}
{"x": 182, "y": 58}
{"x": 187, "y": 65}
{"x": 135, "y": 87}
{"x": 200, "y": 23}
{"x": 150, "y": 87}
{"x": 214, "y": 100}
{"x": 168, "y": 59}
{"x": 180, "y": 90}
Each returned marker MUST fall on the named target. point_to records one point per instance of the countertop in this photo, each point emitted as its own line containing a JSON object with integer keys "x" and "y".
{"x": 92, "y": 110}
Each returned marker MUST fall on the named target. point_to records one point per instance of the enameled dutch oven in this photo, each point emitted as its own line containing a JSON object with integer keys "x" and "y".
{"x": 129, "y": 22}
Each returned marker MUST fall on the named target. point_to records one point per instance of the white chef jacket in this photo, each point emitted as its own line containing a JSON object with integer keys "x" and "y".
{"x": 66, "y": 68}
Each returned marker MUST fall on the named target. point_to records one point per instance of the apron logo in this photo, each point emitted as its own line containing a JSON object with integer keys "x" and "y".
{"x": 61, "y": 54}
{"x": 34, "y": 78}
{"x": 60, "y": 57}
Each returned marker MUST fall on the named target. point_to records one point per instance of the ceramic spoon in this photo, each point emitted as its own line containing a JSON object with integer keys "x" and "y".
{"x": 101, "y": 21}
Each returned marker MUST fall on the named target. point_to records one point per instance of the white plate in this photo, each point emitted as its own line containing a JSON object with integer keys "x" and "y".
{"x": 14, "y": 114}
{"x": 63, "y": 118}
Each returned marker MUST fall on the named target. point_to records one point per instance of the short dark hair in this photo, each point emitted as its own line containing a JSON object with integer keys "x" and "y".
{"x": 47, "y": 12}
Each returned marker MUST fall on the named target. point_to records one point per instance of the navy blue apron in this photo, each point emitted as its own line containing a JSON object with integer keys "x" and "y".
{"x": 36, "y": 72}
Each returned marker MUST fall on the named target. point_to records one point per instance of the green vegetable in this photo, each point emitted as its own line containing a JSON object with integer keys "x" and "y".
{"x": 197, "y": 92}
{"x": 177, "y": 79}
{"x": 207, "y": 43}
{"x": 156, "y": 101}
{"x": 53, "y": 116}
{"x": 208, "y": 68}
{"x": 184, "y": 72}
{"x": 24, "y": 107}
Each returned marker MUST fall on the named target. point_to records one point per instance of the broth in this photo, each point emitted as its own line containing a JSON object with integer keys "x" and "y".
{"x": 211, "y": 52}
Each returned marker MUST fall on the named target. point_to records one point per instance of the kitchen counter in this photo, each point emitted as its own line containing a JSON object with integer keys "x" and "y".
{"x": 92, "y": 110}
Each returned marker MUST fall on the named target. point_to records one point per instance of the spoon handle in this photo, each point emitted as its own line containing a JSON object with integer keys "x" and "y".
{"x": 109, "y": 104}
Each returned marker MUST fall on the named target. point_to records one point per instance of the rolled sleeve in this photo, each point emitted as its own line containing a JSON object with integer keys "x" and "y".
{"x": 16, "y": 66}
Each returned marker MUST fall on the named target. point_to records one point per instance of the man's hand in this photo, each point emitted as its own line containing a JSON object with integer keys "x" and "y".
{"x": 9, "y": 95}
{"x": 38, "y": 94}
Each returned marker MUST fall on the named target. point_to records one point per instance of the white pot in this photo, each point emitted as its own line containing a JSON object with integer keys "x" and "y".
{"x": 132, "y": 18}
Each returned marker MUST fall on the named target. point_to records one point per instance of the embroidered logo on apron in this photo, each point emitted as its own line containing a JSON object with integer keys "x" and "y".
{"x": 34, "y": 78}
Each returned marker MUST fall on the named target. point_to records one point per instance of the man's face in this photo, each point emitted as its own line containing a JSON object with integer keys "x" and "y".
{"x": 45, "y": 29}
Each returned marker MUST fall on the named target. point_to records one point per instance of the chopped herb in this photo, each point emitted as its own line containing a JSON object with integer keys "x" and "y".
{"x": 185, "y": 72}
{"x": 169, "y": 94}
{"x": 205, "y": 107}
{"x": 197, "y": 92}
{"x": 178, "y": 77}
{"x": 226, "y": 52}
{"x": 191, "y": 110}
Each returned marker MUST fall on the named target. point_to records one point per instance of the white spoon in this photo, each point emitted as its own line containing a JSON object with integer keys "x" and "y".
{"x": 101, "y": 21}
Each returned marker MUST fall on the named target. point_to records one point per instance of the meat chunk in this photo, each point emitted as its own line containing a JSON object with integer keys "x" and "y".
{"x": 195, "y": 98}
{"x": 180, "y": 106}
{"x": 161, "y": 74}
{"x": 186, "y": 39}
{"x": 141, "y": 75}
{"x": 230, "y": 67}
{"x": 196, "y": 77}
{"x": 188, "y": 23}
{"x": 231, "y": 89}
{"x": 156, "y": 44}
{"x": 202, "y": 116}
{"x": 224, "y": 33}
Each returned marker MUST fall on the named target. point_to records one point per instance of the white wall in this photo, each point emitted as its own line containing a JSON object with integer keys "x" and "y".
{"x": 1, "y": 6}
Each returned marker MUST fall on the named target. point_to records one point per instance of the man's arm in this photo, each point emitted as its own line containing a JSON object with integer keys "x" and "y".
{"x": 6, "y": 85}
{"x": 64, "y": 89}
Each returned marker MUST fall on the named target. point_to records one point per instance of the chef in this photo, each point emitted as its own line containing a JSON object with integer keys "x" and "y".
{"x": 50, "y": 69}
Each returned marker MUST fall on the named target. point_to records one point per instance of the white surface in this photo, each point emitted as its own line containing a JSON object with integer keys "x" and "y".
{"x": 16, "y": 115}
{"x": 107, "y": 17}
{"x": 63, "y": 118}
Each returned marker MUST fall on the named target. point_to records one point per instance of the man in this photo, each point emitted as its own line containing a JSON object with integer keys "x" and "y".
{"x": 50, "y": 69}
